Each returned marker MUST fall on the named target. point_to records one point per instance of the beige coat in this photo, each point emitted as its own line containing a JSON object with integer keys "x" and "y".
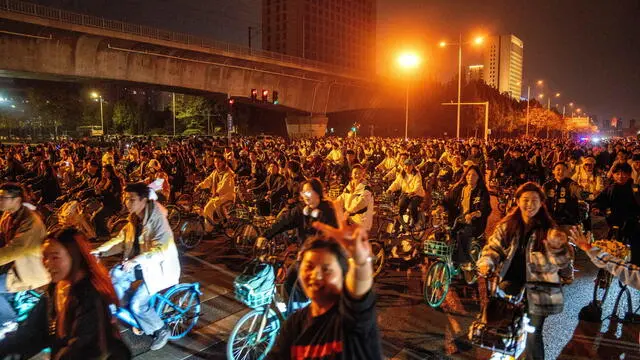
{"x": 24, "y": 238}
{"x": 221, "y": 184}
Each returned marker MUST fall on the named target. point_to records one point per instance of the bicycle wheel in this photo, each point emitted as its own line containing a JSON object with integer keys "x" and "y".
{"x": 437, "y": 283}
{"x": 245, "y": 238}
{"x": 174, "y": 216}
{"x": 377, "y": 251}
{"x": 191, "y": 233}
{"x": 601, "y": 287}
{"x": 180, "y": 311}
{"x": 184, "y": 202}
{"x": 253, "y": 335}
{"x": 232, "y": 224}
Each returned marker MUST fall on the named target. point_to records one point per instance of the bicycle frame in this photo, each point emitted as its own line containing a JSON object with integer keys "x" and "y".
{"x": 158, "y": 301}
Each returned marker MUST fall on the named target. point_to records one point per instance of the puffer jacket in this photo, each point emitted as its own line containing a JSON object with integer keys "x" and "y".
{"x": 542, "y": 267}
{"x": 409, "y": 183}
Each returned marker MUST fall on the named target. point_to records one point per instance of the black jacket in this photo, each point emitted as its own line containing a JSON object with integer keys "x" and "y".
{"x": 562, "y": 201}
{"x": 277, "y": 184}
{"x": 297, "y": 219}
{"x": 48, "y": 186}
{"x": 619, "y": 202}
{"x": 90, "y": 329}
{"x": 480, "y": 201}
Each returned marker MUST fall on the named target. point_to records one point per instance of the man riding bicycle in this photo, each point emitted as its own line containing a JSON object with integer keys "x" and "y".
{"x": 221, "y": 183}
{"x": 150, "y": 260}
{"x": 23, "y": 232}
{"x": 357, "y": 199}
{"x": 409, "y": 182}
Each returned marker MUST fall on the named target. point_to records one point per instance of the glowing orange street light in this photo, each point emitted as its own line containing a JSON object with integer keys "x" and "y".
{"x": 557, "y": 95}
{"x": 408, "y": 61}
{"x": 541, "y": 96}
{"x": 443, "y": 43}
{"x": 479, "y": 40}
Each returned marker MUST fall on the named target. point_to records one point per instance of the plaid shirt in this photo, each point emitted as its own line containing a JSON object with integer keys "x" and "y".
{"x": 544, "y": 293}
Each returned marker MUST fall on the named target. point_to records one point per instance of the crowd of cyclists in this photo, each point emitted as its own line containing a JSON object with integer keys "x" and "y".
{"x": 547, "y": 190}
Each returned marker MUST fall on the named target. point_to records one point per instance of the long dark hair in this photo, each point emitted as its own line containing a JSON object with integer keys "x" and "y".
{"x": 543, "y": 222}
{"x": 113, "y": 176}
{"x": 316, "y": 185}
{"x": 481, "y": 183}
{"x": 77, "y": 245}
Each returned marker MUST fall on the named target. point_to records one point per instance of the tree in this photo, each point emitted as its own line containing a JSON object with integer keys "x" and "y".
{"x": 126, "y": 116}
{"x": 55, "y": 106}
{"x": 191, "y": 110}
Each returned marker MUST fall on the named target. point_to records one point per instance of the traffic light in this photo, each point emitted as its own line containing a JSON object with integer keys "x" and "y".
{"x": 265, "y": 95}
{"x": 230, "y": 103}
{"x": 254, "y": 94}
{"x": 274, "y": 96}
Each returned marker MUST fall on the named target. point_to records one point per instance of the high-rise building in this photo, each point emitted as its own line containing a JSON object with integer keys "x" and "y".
{"x": 503, "y": 61}
{"x": 475, "y": 72}
{"x": 339, "y": 32}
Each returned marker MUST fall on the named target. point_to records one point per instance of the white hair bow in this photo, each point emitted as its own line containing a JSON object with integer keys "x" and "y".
{"x": 156, "y": 185}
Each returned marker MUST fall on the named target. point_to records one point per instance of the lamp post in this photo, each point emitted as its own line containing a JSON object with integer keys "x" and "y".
{"x": 98, "y": 97}
{"x": 408, "y": 61}
{"x": 476, "y": 41}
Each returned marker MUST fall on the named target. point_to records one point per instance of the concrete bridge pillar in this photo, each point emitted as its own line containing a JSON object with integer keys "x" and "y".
{"x": 306, "y": 126}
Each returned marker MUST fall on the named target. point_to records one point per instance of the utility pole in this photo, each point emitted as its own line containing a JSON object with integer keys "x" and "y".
{"x": 459, "y": 85}
{"x": 528, "y": 102}
{"x": 174, "y": 113}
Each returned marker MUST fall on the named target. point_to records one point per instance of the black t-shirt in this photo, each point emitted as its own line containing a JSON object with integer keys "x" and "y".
{"x": 347, "y": 331}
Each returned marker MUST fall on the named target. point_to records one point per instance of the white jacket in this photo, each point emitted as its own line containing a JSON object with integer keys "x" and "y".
{"x": 158, "y": 256}
{"x": 410, "y": 183}
{"x": 359, "y": 203}
{"x": 222, "y": 185}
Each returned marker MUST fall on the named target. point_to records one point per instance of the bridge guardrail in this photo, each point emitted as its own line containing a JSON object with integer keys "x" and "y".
{"x": 69, "y": 17}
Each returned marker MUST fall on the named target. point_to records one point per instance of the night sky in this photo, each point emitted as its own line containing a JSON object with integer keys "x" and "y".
{"x": 588, "y": 50}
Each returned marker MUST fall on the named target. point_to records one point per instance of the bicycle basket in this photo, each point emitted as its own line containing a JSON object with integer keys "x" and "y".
{"x": 254, "y": 287}
{"x": 436, "y": 248}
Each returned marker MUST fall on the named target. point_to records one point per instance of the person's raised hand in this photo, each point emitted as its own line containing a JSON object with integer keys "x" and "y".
{"x": 579, "y": 239}
{"x": 353, "y": 238}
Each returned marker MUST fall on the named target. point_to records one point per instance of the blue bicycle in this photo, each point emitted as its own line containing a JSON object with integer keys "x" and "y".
{"x": 178, "y": 306}
{"x": 23, "y": 302}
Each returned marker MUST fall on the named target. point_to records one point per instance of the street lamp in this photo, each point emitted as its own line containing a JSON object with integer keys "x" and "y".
{"x": 477, "y": 41}
{"x": 408, "y": 61}
{"x": 96, "y": 96}
{"x": 539, "y": 83}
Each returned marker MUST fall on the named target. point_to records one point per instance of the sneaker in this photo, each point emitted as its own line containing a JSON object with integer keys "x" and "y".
{"x": 8, "y": 327}
{"x": 160, "y": 338}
